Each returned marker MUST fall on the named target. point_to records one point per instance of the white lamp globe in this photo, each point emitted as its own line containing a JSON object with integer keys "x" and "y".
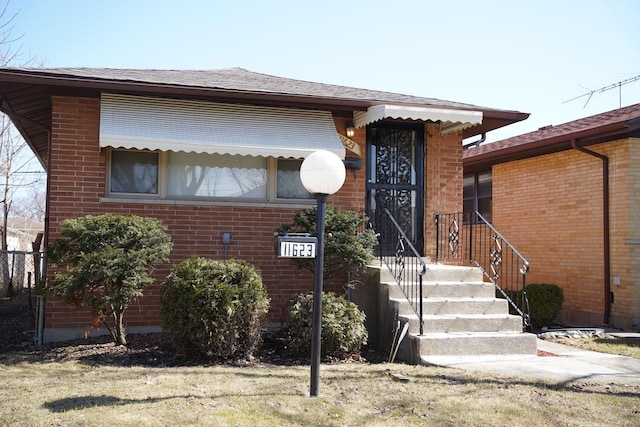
{"x": 322, "y": 172}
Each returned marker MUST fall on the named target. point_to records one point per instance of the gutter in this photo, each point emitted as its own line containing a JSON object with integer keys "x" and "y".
{"x": 608, "y": 296}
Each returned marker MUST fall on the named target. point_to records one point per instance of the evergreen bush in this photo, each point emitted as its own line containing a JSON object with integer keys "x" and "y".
{"x": 348, "y": 245}
{"x": 545, "y": 303}
{"x": 343, "y": 329}
{"x": 213, "y": 308}
{"x": 104, "y": 262}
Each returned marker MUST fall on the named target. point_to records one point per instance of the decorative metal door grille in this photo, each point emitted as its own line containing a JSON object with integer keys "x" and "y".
{"x": 395, "y": 179}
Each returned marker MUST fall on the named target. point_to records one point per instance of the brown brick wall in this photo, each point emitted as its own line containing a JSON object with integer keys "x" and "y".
{"x": 550, "y": 208}
{"x": 443, "y": 180}
{"x": 78, "y": 188}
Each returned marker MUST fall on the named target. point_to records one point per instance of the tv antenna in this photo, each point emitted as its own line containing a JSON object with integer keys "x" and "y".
{"x": 604, "y": 89}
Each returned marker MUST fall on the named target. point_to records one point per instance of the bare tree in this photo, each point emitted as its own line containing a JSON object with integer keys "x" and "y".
{"x": 15, "y": 156}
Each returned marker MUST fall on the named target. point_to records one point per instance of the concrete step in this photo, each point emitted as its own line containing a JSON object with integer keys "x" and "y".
{"x": 465, "y": 306}
{"x": 505, "y": 323}
{"x": 442, "y": 289}
{"x": 441, "y": 306}
{"x": 475, "y": 343}
{"x": 435, "y": 272}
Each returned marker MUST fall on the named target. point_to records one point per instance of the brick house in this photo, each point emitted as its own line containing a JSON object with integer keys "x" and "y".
{"x": 213, "y": 152}
{"x": 568, "y": 197}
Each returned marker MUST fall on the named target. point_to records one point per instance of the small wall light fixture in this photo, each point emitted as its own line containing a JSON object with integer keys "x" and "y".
{"x": 350, "y": 131}
{"x": 226, "y": 240}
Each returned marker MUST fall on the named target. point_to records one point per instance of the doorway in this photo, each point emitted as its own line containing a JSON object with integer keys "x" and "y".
{"x": 395, "y": 180}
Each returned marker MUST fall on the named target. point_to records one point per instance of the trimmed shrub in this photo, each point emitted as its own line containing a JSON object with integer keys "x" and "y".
{"x": 104, "y": 262}
{"x": 348, "y": 245}
{"x": 214, "y": 308}
{"x": 343, "y": 330}
{"x": 545, "y": 302}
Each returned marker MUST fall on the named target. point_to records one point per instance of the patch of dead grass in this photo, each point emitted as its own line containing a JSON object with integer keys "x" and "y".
{"x": 72, "y": 392}
{"x": 605, "y": 343}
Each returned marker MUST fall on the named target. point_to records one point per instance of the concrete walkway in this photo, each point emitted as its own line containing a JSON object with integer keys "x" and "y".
{"x": 554, "y": 362}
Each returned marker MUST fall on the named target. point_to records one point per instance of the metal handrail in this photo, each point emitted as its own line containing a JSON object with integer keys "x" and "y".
{"x": 470, "y": 238}
{"x": 403, "y": 261}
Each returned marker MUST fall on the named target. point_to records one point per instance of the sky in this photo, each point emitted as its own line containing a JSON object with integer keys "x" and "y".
{"x": 529, "y": 56}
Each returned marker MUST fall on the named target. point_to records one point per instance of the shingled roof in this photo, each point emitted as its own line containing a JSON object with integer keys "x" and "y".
{"x": 609, "y": 126}
{"x": 236, "y": 79}
{"x": 25, "y": 94}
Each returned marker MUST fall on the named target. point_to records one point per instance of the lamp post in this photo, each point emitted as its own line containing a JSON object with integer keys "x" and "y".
{"x": 322, "y": 173}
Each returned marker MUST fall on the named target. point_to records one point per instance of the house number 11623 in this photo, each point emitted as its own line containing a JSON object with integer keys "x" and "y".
{"x": 297, "y": 249}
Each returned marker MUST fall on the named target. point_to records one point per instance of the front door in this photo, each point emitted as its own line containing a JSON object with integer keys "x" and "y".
{"x": 395, "y": 180}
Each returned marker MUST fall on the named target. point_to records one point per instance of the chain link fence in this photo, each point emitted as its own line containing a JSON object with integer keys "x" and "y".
{"x": 21, "y": 310}
{"x": 19, "y": 270}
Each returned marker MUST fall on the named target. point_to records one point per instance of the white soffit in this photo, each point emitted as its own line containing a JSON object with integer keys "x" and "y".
{"x": 450, "y": 120}
{"x": 203, "y": 127}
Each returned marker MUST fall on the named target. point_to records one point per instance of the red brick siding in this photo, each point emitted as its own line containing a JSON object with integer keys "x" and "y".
{"x": 443, "y": 179}
{"x": 78, "y": 185}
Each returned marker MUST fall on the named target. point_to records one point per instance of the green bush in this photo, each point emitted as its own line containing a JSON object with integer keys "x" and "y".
{"x": 343, "y": 330}
{"x": 545, "y": 302}
{"x": 104, "y": 262}
{"x": 214, "y": 308}
{"x": 348, "y": 245}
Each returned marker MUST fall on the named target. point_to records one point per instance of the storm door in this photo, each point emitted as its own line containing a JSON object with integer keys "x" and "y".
{"x": 395, "y": 180}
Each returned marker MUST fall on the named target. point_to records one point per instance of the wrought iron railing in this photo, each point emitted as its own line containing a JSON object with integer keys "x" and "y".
{"x": 468, "y": 238}
{"x": 402, "y": 259}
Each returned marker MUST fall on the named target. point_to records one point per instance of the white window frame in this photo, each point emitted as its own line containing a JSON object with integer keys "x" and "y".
{"x": 163, "y": 196}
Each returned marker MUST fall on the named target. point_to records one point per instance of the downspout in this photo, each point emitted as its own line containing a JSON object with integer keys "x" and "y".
{"x": 477, "y": 143}
{"x": 606, "y": 231}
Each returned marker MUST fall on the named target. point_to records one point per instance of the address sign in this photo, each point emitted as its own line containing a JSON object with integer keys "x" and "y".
{"x": 296, "y": 246}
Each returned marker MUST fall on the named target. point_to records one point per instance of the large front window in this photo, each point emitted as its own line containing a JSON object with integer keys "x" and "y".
{"x": 175, "y": 175}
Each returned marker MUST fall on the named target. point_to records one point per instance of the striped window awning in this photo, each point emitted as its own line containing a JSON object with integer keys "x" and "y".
{"x": 450, "y": 120}
{"x": 136, "y": 122}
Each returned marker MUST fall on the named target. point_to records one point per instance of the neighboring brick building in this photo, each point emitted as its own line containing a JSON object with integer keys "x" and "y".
{"x": 213, "y": 152}
{"x": 549, "y": 197}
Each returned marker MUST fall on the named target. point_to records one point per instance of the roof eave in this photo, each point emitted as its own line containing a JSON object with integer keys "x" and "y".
{"x": 610, "y": 132}
{"x": 310, "y": 101}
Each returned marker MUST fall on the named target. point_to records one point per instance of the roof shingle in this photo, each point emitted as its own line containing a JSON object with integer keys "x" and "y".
{"x": 559, "y": 135}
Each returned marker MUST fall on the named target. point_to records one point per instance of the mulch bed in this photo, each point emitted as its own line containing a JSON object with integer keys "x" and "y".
{"x": 17, "y": 330}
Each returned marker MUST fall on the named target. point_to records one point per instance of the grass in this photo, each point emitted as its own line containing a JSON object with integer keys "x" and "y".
{"x": 623, "y": 346}
{"x": 36, "y": 392}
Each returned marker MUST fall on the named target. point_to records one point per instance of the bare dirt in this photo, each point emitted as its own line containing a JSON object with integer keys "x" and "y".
{"x": 17, "y": 333}
{"x": 17, "y": 322}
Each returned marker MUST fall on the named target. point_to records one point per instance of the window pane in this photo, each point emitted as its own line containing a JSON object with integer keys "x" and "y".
{"x": 289, "y": 184}
{"x": 468, "y": 206}
{"x": 134, "y": 172}
{"x": 216, "y": 175}
{"x": 468, "y": 186}
{"x": 484, "y": 207}
{"x": 484, "y": 184}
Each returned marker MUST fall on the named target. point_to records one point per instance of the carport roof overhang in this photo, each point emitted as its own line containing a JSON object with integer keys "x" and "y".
{"x": 25, "y": 95}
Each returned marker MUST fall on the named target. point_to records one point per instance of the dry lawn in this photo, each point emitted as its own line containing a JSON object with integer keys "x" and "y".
{"x": 38, "y": 390}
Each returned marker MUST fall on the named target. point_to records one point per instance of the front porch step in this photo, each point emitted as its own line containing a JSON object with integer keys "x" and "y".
{"x": 435, "y": 272}
{"x": 474, "y": 343}
{"x": 442, "y": 289}
{"x": 462, "y": 316}
{"x": 442, "y": 306}
{"x": 459, "y": 323}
